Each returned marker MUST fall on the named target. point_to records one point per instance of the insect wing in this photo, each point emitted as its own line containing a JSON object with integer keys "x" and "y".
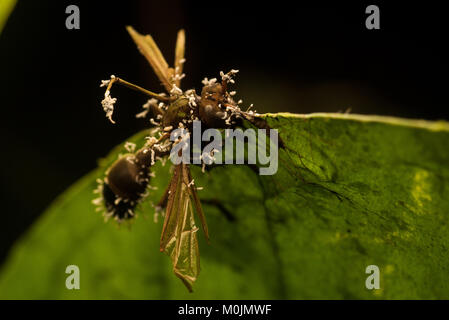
{"x": 179, "y": 233}
{"x": 151, "y": 52}
{"x": 198, "y": 208}
{"x": 179, "y": 55}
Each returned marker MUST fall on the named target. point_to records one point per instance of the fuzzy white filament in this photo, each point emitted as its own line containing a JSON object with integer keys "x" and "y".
{"x": 190, "y": 94}
{"x": 228, "y": 76}
{"x": 175, "y": 90}
{"x": 177, "y": 76}
{"x": 130, "y": 147}
{"x": 108, "y": 105}
{"x": 146, "y": 108}
{"x": 208, "y": 82}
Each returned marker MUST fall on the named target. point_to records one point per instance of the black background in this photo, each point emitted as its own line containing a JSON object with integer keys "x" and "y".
{"x": 296, "y": 57}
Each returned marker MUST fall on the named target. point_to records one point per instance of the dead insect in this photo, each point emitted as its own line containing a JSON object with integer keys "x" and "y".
{"x": 127, "y": 180}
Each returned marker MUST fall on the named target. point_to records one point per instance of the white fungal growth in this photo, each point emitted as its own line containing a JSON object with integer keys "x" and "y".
{"x": 142, "y": 114}
{"x": 190, "y": 94}
{"x": 225, "y": 116}
{"x": 175, "y": 90}
{"x": 99, "y": 188}
{"x": 150, "y": 141}
{"x": 150, "y": 102}
{"x": 228, "y": 76}
{"x": 130, "y": 147}
{"x": 130, "y": 159}
{"x": 178, "y": 76}
{"x": 108, "y": 105}
{"x": 107, "y": 215}
{"x": 152, "y": 157}
{"x": 192, "y": 102}
{"x": 146, "y": 108}
{"x": 208, "y": 82}
{"x": 97, "y": 201}
{"x": 104, "y": 83}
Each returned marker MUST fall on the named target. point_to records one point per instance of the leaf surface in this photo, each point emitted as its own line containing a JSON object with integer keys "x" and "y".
{"x": 351, "y": 191}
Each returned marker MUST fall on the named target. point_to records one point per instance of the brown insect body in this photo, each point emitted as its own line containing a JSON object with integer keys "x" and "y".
{"x": 127, "y": 179}
{"x": 177, "y": 111}
{"x": 210, "y": 106}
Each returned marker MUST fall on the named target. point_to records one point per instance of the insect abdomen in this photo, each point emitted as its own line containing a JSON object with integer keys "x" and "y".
{"x": 124, "y": 186}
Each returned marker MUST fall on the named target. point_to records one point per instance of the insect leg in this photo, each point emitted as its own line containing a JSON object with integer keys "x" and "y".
{"x": 135, "y": 87}
{"x": 163, "y": 201}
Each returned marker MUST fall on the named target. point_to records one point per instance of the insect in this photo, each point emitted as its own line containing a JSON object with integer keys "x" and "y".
{"x": 127, "y": 180}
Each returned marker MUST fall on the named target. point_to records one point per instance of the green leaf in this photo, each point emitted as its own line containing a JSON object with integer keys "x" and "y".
{"x": 351, "y": 191}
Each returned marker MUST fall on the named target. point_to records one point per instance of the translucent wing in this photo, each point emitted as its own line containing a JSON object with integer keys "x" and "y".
{"x": 197, "y": 203}
{"x": 179, "y": 55}
{"x": 151, "y": 52}
{"x": 179, "y": 232}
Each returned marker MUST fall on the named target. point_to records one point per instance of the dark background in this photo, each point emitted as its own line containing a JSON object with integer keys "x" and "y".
{"x": 292, "y": 57}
